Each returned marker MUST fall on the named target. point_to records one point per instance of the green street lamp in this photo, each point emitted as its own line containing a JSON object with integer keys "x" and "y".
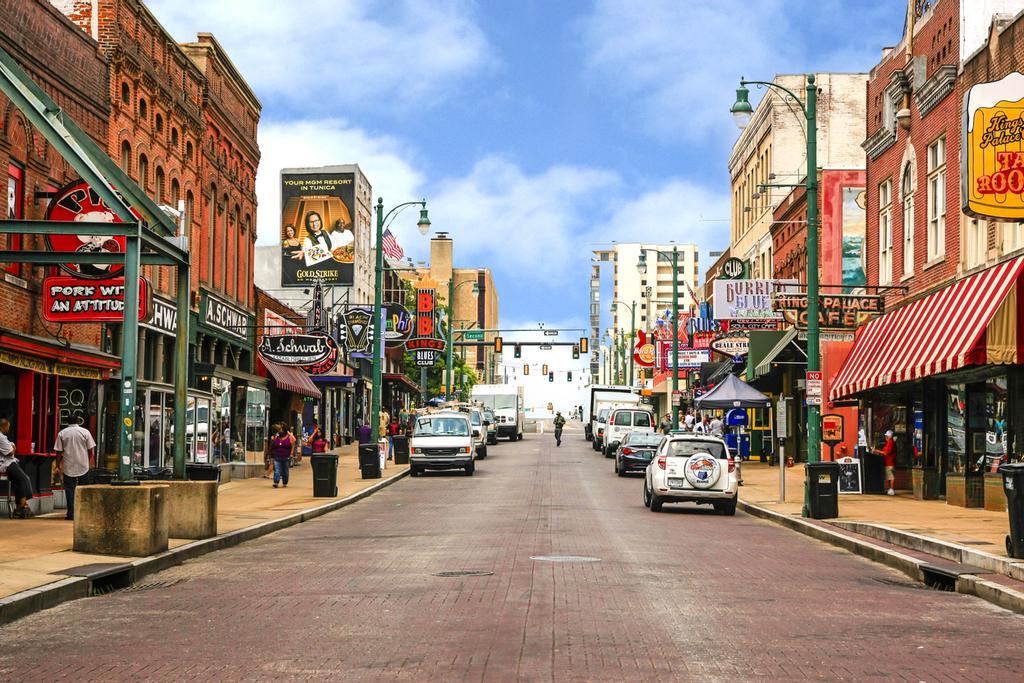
{"x": 378, "y": 334}
{"x": 452, "y": 288}
{"x": 742, "y": 112}
{"x": 632, "y": 332}
{"x": 641, "y": 266}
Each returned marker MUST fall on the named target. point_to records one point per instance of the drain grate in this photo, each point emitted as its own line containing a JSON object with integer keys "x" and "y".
{"x": 565, "y": 558}
{"x": 151, "y": 585}
{"x": 463, "y": 572}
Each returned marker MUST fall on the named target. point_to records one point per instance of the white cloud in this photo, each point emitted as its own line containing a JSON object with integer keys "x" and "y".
{"x": 680, "y": 61}
{"x": 324, "y": 142}
{"x": 323, "y": 56}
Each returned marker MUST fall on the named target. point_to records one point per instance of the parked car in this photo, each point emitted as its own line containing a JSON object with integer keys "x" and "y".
{"x": 492, "y": 427}
{"x": 692, "y": 468}
{"x": 636, "y": 451}
{"x": 622, "y": 421}
{"x": 600, "y": 423}
{"x": 476, "y": 421}
{"x": 442, "y": 441}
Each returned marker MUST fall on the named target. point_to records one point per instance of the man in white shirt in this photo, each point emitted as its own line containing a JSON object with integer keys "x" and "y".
{"x": 75, "y": 444}
{"x": 717, "y": 427}
{"x": 16, "y": 477}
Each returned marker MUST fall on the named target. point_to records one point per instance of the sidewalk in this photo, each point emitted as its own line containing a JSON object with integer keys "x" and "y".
{"x": 977, "y": 528}
{"x": 37, "y": 552}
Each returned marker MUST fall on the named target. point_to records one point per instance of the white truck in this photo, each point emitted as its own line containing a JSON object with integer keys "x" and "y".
{"x": 603, "y": 398}
{"x": 506, "y": 400}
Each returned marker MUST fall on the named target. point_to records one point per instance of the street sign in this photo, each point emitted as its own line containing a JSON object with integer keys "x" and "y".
{"x": 545, "y": 347}
{"x": 473, "y": 335}
{"x": 677, "y": 397}
{"x": 814, "y": 387}
{"x": 781, "y": 418}
{"x": 550, "y": 333}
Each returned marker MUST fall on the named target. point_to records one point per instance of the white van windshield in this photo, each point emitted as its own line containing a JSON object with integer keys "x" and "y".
{"x": 441, "y": 426}
{"x": 505, "y": 402}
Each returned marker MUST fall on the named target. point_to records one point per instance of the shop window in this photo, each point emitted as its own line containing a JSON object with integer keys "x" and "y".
{"x": 885, "y": 232}
{"x": 937, "y": 199}
{"x": 956, "y": 428}
{"x": 197, "y": 429}
{"x": 15, "y": 209}
{"x": 907, "y": 190}
{"x": 257, "y": 409}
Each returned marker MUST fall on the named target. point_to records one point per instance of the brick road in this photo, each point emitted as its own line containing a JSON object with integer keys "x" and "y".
{"x": 682, "y": 595}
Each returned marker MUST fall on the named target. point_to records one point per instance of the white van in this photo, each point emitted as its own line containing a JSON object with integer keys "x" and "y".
{"x": 622, "y": 421}
{"x": 442, "y": 441}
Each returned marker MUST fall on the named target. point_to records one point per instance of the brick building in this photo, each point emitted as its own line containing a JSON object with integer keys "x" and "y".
{"x": 48, "y": 372}
{"x": 942, "y": 367}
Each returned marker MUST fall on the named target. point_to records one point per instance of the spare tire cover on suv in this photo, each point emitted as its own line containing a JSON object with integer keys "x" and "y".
{"x": 702, "y": 471}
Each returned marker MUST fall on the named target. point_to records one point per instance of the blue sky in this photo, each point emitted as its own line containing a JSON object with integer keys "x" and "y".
{"x": 535, "y": 129}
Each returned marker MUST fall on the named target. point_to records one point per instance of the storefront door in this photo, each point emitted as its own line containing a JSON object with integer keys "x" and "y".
{"x": 154, "y": 428}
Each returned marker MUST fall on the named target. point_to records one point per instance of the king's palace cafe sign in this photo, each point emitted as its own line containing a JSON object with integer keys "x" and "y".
{"x": 993, "y": 149}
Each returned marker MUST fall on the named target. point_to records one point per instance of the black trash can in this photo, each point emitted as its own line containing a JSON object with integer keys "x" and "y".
{"x": 823, "y": 486}
{"x": 98, "y": 475}
{"x": 400, "y": 445}
{"x": 201, "y": 471}
{"x": 1013, "y": 487}
{"x": 369, "y": 461}
{"x": 325, "y": 475}
{"x": 153, "y": 473}
{"x": 874, "y": 470}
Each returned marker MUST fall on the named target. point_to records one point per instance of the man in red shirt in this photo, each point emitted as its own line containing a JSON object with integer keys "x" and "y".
{"x": 889, "y": 453}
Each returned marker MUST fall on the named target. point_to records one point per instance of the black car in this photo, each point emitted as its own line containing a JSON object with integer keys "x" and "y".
{"x": 635, "y": 452}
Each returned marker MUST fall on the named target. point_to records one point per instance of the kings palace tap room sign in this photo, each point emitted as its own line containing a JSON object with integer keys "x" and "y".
{"x": 993, "y": 149}
{"x": 317, "y": 230}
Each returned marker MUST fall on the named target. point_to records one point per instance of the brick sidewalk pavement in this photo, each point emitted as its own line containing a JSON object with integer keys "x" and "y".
{"x": 681, "y": 595}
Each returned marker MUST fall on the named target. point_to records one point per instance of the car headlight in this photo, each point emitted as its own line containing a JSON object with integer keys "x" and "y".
{"x": 467, "y": 449}
{"x": 417, "y": 451}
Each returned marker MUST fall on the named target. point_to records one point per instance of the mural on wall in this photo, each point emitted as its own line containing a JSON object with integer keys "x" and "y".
{"x": 854, "y": 228}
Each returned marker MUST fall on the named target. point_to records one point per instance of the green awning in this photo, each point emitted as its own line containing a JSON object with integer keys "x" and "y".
{"x": 764, "y": 366}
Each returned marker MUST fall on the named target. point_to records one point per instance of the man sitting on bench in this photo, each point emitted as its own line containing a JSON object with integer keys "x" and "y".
{"x": 16, "y": 477}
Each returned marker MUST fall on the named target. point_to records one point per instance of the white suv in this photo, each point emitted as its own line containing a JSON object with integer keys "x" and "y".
{"x": 692, "y": 468}
{"x": 621, "y": 422}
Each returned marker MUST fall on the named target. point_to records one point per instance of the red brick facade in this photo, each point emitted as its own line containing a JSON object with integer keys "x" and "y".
{"x": 65, "y": 64}
{"x": 919, "y": 89}
{"x": 183, "y": 123}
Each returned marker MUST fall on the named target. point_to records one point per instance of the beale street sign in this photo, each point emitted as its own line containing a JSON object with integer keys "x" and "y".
{"x": 835, "y": 311}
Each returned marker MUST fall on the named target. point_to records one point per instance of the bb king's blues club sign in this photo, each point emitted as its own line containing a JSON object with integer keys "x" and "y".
{"x": 427, "y": 343}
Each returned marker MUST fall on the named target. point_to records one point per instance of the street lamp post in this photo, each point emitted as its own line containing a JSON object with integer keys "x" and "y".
{"x": 641, "y": 266}
{"x": 452, "y": 288}
{"x": 742, "y": 112}
{"x": 378, "y": 334}
{"x": 632, "y": 331}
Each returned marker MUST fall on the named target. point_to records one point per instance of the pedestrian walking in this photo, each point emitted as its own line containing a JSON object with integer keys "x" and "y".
{"x": 666, "y": 423}
{"x": 689, "y": 420}
{"x": 281, "y": 445}
{"x": 702, "y": 427}
{"x": 16, "y": 477}
{"x": 76, "y": 447}
{"x": 889, "y": 453}
{"x": 716, "y": 427}
{"x": 559, "y": 423}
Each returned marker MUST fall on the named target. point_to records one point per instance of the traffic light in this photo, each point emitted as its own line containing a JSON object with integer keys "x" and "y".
{"x": 568, "y": 377}
{"x": 519, "y": 350}
{"x": 544, "y": 369}
{"x": 526, "y": 369}
{"x": 551, "y": 377}
{"x": 584, "y": 344}
{"x": 497, "y": 344}
{"x": 575, "y": 351}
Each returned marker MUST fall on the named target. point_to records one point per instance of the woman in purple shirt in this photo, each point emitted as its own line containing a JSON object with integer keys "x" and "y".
{"x": 281, "y": 443}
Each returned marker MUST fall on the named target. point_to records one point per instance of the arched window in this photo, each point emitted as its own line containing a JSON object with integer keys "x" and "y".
{"x": 188, "y": 151}
{"x": 126, "y": 157}
{"x": 158, "y": 192}
{"x": 175, "y": 192}
{"x": 174, "y": 138}
{"x": 907, "y": 193}
{"x": 126, "y": 94}
{"x": 143, "y": 109}
{"x": 158, "y": 123}
{"x": 189, "y": 207}
{"x": 143, "y": 170}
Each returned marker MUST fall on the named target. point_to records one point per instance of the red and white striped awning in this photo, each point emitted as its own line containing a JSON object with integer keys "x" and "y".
{"x": 971, "y": 322}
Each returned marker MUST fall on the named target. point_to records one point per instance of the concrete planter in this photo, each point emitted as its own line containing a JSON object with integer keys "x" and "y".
{"x": 995, "y": 498}
{"x": 191, "y": 508}
{"x": 121, "y": 520}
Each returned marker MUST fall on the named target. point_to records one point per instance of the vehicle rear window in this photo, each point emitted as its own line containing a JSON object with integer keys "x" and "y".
{"x": 684, "y": 449}
{"x": 621, "y": 418}
{"x": 641, "y": 419}
{"x": 642, "y": 439}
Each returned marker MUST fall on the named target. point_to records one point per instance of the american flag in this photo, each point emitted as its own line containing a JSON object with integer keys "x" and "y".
{"x": 391, "y": 246}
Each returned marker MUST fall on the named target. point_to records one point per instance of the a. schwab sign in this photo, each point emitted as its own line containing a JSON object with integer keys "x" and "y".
{"x": 224, "y": 318}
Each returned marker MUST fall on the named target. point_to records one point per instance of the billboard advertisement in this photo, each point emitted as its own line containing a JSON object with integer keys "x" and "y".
{"x": 317, "y": 235}
{"x": 745, "y": 300}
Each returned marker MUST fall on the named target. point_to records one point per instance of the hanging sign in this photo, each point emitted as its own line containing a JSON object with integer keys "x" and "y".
{"x": 993, "y": 133}
{"x": 398, "y": 324}
{"x": 732, "y": 269}
{"x": 77, "y": 202}
{"x": 835, "y": 311}
{"x": 752, "y": 325}
{"x": 74, "y": 300}
{"x": 745, "y": 300}
{"x": 735, "y": 345}
{"x": 356, "y": 331}
{"x": 644, "y": 352}
{"x": 296, "y": 349}
{"x": 427, "y": 343}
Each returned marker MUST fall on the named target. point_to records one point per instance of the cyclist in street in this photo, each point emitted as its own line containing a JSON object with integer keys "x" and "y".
{"x": 559, "y": 423}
